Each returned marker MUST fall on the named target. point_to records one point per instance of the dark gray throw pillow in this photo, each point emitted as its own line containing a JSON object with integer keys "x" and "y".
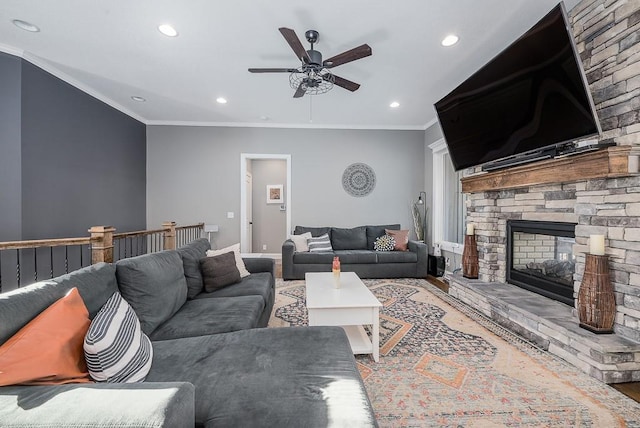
{"x": 219, "y": 271}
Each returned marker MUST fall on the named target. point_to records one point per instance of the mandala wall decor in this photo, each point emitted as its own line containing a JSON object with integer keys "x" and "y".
{"x": 358, "y": 179}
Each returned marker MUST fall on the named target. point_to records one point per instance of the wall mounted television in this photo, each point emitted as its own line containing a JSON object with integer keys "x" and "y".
{"x": 530, "y": 97}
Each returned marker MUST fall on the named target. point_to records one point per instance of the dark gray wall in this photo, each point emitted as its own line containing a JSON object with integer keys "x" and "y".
{"x": 205, "y": 181}
{"x": 83, "y": 162}
{"x": 10, "y": 184}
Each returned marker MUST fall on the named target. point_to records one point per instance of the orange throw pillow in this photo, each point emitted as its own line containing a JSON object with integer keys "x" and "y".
{"x": 401, "y": 237}
{"x": 48, "y": 350}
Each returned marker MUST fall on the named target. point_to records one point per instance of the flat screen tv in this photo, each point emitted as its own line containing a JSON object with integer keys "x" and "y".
{"x": 532, "y": 95}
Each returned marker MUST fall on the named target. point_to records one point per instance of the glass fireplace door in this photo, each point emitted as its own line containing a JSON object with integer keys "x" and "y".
{"x": 541, "y": 259}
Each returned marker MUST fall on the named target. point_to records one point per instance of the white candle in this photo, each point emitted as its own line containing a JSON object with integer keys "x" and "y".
{"x": 470, "y": 229}
{"x": 596, "y": 245}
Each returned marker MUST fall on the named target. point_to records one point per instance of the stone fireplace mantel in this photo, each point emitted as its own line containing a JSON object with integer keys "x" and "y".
{"x": 619, "y": 161}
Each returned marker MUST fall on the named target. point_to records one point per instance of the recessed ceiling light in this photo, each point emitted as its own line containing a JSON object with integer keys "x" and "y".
{"x": 138, "y": 99}
{"x": 394, "y": 104}
{"x": 24, "y": 25}
{"x": 221, "y": 100}
{"x": 167, "y": 30}
{"x": 450, "y": 40}
{"x": 264, "y": 117}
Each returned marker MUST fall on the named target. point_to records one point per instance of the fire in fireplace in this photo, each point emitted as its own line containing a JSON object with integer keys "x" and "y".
{"x": 540, "y": 258}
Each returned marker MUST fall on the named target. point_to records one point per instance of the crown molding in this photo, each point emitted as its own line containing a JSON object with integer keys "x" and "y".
{"x": 11, "y": 50}
{"x": 430, "y": 123}
{"x": 281, "y": 125}
{"x": 54, "y": 71}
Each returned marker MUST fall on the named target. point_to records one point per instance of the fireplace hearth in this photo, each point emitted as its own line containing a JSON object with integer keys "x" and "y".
{"x": 540, "y": 258}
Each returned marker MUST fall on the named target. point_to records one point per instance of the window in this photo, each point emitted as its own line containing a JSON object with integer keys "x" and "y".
{"x": 452, "y": 201}
{"x": 448, "y": 201}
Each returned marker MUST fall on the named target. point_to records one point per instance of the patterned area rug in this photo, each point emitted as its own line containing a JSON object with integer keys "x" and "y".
{"x": 443, "y": 364}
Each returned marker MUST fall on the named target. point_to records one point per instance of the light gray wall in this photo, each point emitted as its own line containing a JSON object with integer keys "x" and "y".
{"x": 431, "y": 135}
{"x": 193, "y": 174}
{"x": 10, "y": 163}
{"x": 269, "y": 223}
{"x": 83, "y": 162}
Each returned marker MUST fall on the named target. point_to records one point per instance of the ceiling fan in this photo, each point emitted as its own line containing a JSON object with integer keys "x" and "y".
{"x": 314, "y": 75}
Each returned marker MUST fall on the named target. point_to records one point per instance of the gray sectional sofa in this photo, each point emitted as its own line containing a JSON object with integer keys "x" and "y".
{"x": 212, "y": 366}
{"x": 354, "y": 247}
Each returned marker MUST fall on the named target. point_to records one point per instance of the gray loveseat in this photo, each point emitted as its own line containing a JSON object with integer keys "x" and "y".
{"x": 354, "y": 247}
{"x": 211, "y": 367}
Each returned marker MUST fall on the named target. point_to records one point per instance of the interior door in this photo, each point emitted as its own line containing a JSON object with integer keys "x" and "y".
{"x": 249, "y": 218}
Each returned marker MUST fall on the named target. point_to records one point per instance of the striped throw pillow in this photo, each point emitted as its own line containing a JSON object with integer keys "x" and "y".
{"x": 115, "y": 348}
{"x": 319, "y": 244}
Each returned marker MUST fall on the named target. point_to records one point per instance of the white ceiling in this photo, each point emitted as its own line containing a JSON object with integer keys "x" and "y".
{"x": 113, "y": 50}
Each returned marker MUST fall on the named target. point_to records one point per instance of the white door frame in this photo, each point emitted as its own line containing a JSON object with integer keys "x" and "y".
{"x": 244, "y": 157}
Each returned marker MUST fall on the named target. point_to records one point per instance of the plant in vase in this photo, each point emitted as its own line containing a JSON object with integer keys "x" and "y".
{"x": 417, "y": 221}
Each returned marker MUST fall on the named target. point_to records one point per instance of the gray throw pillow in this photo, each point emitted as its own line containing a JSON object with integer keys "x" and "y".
{"x": 219, "y": 271}
{"x": 320, "y": 244}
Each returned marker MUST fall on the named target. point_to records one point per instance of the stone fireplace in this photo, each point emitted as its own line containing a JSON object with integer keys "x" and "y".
{"x": 598, "y": 193}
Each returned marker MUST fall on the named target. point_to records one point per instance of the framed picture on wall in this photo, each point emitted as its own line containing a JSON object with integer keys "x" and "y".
{"x": 274, "y": 194}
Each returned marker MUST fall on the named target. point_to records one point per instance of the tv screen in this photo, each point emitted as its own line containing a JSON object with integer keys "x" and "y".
{"x": 532, "y": 95}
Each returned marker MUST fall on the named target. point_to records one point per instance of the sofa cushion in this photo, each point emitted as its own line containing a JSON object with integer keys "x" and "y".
{"x": 202, "y": 317}
{"x": 269, "y": 377}
{"x": 349, "y": 239}
{"x": 48, "y": 350}
{"x": 191, "y": 255}
{"x": 374, "y": 231}
{"x": 401, "y": 237}
{"x": 356, "y": 256}
{"x": 99, "y": 405}
{"x": 96, "y": 284}
{"x": 154, "y": 285}
{"x": 321, "y": 244}
{"x": 315, "y": 231}
{"x": 397, "y": 257}
{"x": 219, "y": 271}
{"x": 256, "y": 284}
{"x": 115, "y": 347}
{"x": 313, "y": 258}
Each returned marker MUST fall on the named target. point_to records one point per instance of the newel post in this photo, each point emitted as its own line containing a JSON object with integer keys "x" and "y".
{"x": 102, "y": 244}
{"x": 169, "y": 235}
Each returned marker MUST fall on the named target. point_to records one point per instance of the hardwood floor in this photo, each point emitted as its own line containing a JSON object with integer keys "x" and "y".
{"x": 631, "y": 389}
{"x": 438, "y": 283}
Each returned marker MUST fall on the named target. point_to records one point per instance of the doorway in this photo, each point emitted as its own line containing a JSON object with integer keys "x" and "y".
{"x": 249, "y": 210}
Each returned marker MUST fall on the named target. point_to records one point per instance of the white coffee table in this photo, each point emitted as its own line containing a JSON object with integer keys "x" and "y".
{"x": 350, "y": 306}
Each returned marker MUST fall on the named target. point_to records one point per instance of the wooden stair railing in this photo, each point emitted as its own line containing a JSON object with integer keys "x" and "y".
{"x": 48, "y": 258}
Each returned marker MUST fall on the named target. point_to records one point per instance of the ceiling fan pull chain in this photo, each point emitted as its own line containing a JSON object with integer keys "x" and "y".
{"x": 310, "y": 109}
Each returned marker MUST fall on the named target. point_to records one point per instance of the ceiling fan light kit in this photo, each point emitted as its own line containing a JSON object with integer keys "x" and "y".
{"x": 314, "y": 76}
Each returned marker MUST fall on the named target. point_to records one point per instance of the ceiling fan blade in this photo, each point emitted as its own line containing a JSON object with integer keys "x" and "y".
{"x": 300, "y": 91}
{"x": 272, "y": 70}
{"x": 348, "y": 56}
{"x": 293, "y": 40}
{"x": 344, "y": 83}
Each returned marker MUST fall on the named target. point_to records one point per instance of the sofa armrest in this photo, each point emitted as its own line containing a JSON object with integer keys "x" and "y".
{"x": 288, "y": 248}
{"x": 260, "y": 264}
{"x": 423, "y": 257}
{"x": 150, "y": 404}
